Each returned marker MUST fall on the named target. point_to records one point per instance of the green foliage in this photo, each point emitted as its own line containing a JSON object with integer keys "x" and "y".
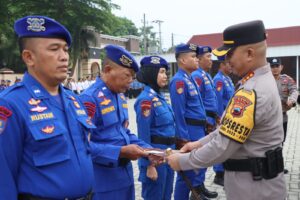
{"x": 74, "y": 14}
{"x": 150, "y": 38}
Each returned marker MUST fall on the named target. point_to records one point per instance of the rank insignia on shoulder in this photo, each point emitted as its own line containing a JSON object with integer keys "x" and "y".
{"x": 34, "y": 102}
{"x": 48, "y": 129}
{"x": 146, "y": 108}
{"x": 105, "y": 102}
{"x": 179, "y": 87}
{"x": 247, "y": 77}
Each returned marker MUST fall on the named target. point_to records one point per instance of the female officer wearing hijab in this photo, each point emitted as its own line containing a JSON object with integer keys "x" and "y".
{"x": 156, "y": 126}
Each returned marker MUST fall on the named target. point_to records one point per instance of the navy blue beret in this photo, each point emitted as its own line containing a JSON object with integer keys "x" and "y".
{"x": 41, "y": 26}
{"x": 121, "y": 57}
{"x": 203, "y": 49}
{"x": 154, "y": 61}
{"x": 185, "y": 48}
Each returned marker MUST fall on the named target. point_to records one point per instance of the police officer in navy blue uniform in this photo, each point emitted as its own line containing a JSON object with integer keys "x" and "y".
{"x": 224, "y": 91}
{"x": 156, "y": 126}
{"x": 207, "y": 90}
{"x": 206, "y": 86}
{"x": 113, "y": 146}
{"x": 44, "y": 127}
{"x": 190, "y": 115}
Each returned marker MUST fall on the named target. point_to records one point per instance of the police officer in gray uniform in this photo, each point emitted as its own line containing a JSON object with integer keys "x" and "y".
{"x": 287, "y": 89}
{"x": 249, "y": 139}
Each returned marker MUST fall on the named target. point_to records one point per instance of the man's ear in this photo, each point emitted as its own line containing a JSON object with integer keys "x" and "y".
{"x": 28, "y": 57}
{"x": 107, "y": 68}
{"x": 181, "y": 59}
{"x": 250, "y": 54}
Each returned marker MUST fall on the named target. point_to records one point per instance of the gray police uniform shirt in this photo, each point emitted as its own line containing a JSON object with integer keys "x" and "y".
{"x": 288, "y": 91}
{"x": 266, "y": 134}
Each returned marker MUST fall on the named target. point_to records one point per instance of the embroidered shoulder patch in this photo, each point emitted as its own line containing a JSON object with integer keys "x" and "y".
{"x": 239, "y": 118}
{"x": 219, "y": 85}
{"x": 179, "y": 87}
{"x": 4, "y": 114}
{"x": 146, "y": 108}
{"x": 91, "y": 108}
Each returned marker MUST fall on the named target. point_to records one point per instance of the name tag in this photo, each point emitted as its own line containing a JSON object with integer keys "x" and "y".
{"x": 42, "y": 116}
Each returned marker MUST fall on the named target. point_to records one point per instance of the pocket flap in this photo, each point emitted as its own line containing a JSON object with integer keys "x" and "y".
{"x": 86, "y": 122}
{"x": 46, "y": 129}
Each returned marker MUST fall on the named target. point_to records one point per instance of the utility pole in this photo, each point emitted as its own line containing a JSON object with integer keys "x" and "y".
{"x": 159, "y": 30}
{"x": 172, "y": 40}
{"x": 145, "y": 39}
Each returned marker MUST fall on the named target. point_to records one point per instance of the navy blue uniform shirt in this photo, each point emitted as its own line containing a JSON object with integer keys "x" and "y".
{"x": 43, "y": 144}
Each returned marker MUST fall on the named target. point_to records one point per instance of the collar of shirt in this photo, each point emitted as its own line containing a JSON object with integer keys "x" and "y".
{"x": 36, "y": 89}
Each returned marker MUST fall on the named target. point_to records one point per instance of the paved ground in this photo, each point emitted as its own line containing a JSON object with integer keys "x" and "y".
{"x": 291, "y": 154}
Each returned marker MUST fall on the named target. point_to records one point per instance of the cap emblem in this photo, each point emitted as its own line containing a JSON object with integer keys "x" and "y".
{"x": 36, "y": 24}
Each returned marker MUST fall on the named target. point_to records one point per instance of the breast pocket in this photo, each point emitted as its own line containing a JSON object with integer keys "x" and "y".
{"x": 162, "y": 116}
{"x": 50, "y": 145}
{"x": 193, "y": 101}
{"x": 108, "y": 115}
{"x": 209, "y": 91}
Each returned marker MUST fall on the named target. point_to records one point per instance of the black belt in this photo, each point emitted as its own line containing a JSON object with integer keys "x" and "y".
{"x": 155, "y": 139}
{"x": 195, "y": 122}
{"x": 211, "y": 114}
{"x": 89, "y": 196}
{"x": 261, "y": 167}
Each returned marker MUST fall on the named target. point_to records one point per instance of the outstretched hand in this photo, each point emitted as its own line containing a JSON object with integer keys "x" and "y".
{"x": 188, "y": 147}
{"x": 132, "y": 152}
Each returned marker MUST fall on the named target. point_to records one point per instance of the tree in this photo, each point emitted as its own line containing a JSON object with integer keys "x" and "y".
{"x": 150, "y": 37}
{"x": 76, "y": 15}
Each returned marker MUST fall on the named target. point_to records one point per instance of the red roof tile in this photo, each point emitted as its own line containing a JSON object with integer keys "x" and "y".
{"x": 276, "y": 37}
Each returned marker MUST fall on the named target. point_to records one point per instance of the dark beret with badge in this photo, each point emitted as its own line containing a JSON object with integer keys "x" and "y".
{"x": 121, "y": 57}
{"x": 41, "y": 27}
{"x": 185, "y": 48}
{"x": 241, "y": 34}
{"x": 203, "y": 50}
{"x": 150, "y": 66}
{"x": 274, "y": 61}
{"x": 154, "y": 61}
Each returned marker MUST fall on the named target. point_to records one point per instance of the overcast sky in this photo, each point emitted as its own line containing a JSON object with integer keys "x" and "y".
{"x": 186, "y": 18}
